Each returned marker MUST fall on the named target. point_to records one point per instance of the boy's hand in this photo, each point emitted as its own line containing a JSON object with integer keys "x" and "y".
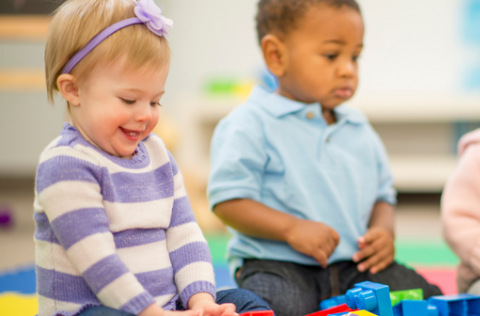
{"x": 313, "y": 239}
{"x": 204, "y": 305}
{"x": 376, "y": 250}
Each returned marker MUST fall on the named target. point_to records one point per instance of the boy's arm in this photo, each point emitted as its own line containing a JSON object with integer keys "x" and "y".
{"x": 258, "y": 220}
{"x": 189, "y": 252}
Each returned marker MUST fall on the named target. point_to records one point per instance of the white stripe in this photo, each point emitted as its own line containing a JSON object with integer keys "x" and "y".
{"x": 66, "y": 196}
{"x": 119, "y": 292}
{"x": 49, "y": 307}
{"x": 52, "y": 144}
{"x": 157, "y": 159}
{"x": 36, "y": 205}
{"x": 153, "y": 214}
{"x": 197, "y": 271}
{"x": 52, "y": 256}
{"x": 179, "y": 186}
{"x": 146, "y": 258}
{"x": 164, "y": 299}
{"x": 66, "y": 151}
{"x": 181, "y": 235}
{"x": 90, "y": 250}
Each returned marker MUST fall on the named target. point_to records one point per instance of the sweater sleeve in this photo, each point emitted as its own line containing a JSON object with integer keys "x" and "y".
{"x": 188, "y": 248}
{"x": 461, "y": 209}
{"x": 69, "y": 190}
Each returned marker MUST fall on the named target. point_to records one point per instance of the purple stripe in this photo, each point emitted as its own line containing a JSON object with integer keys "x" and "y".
{"x": 43, "y": 229}
{"x": 134, "y": 188}
{"x": 64, "y": 287}
{"x": 97, "y": 40}
{"x": 138, "y": 303}
{"x": 172, "y": 305}
{"x": 159, "y": 282}
{"x": 138, "y": 237}
{"x": 104, "y": 272}
{"x": 190, "y": 253}
{"x": 181, "y": 212}
{"x": 196, "y": 287}
{"x": 173, "y": 163}
{"x": 66, "y": 168}
{"x": 76, "y": 225}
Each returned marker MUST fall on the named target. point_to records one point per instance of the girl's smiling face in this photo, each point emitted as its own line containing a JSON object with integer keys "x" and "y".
{"x": 320, "y": 56}
{"x": 115, "y": 107}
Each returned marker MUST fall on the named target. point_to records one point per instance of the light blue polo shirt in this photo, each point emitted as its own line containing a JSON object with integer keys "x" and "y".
{"x": 283, "y": 154}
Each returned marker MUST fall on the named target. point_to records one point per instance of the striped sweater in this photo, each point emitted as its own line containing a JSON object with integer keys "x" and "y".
{"x": 114, "y": 232}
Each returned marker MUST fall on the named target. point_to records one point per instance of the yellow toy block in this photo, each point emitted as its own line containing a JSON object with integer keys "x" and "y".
{"x": 13, "y": 304}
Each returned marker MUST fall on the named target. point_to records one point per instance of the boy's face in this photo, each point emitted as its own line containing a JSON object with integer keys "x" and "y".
{"x": 119, "y": 108}
{"x": 321, "y": 56}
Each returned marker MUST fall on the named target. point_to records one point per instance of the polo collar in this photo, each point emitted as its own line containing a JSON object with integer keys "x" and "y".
{"x": 279, "y": 106}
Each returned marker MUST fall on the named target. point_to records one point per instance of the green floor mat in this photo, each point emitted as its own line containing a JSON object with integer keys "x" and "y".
{"x": 431, "y": 253}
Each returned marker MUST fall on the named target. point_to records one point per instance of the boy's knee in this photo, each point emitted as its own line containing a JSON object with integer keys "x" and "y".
{"x": 244, "y": 300}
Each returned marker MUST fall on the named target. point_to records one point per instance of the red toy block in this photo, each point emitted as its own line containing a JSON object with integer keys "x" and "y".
{"x": 333, "y": 310}
{"x": 258, "y": 313}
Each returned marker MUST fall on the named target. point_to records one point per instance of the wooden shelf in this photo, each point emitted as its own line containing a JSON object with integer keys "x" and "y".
{"x": 422, "y": 173}
{"x": 22, "y": 80}
{"x": 24, "y": 27}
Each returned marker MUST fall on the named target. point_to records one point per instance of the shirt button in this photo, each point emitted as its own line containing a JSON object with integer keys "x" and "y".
{"x": 310, "y": 115}
{"x": 327, "y": 139}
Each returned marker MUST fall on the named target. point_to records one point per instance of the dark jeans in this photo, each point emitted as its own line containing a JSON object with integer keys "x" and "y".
{"x": 296, "y": 290}
{"x": 244, "y": 300}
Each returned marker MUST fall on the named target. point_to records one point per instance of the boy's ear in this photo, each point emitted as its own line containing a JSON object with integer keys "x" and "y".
{"x": 275, "y": 54}
{"x": 68, "y": 87}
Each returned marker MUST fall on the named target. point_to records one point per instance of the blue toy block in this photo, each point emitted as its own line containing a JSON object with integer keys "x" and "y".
{"x": 370, "y": 296}
{"x": 332, "y": 302}
{"x": 414, "y": 308}
{"x": 457, "y": 305}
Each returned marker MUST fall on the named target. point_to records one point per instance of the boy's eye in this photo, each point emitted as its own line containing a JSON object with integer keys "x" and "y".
{"x": 331, "y": 56}
{"x": 155, "y": 103}
{"x": 126, "y": 101}
{"x": 355, "y": 58}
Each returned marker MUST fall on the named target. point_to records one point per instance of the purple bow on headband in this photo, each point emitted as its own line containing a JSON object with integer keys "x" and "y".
{"x": 146, "y": 11}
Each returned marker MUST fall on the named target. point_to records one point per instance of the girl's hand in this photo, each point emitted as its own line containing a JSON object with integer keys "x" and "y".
{"x": 376, "y": 250}
{"x": 155, "y": 310}
{"x": 204, "y": 304}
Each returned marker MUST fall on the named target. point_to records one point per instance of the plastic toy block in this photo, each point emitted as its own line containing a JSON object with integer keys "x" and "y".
{"x": 370, "y": 296}
{"x": 398, "y": 296}
{"x": 258, "y": 313}
{"x": 415, "y": 308}
{"x": 337, "y": 309}
{"x": 356, "y": 313}
{"x": 457, "y": 305}
{"x": 332, "y": 302}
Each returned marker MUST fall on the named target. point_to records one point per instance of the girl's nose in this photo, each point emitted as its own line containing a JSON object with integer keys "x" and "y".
{"x": 144, "y": 113}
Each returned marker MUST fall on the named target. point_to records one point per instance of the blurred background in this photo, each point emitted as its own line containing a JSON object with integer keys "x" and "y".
{"x": 419, "y": 86}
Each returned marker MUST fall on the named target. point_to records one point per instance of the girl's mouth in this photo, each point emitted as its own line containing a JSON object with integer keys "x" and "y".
{"x": 130, "y": 134}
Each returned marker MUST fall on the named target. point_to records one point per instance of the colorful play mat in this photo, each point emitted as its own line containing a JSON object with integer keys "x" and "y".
{"x": 433, "y": 259}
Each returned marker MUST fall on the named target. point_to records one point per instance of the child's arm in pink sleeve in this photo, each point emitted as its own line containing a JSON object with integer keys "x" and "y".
{"x": 461, "y": 209}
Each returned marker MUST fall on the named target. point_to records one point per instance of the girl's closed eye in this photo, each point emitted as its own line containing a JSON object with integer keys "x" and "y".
{"x": 128, "y": 101}
{"x": 155, "y": 103}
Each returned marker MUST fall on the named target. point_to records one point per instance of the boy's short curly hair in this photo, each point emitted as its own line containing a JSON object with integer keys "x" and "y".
{"x": 281, "y": 16}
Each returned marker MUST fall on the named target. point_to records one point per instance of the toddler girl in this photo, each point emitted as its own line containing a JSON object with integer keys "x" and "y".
{"x": 461, "y": 213}
{"x": 115, "y": 233}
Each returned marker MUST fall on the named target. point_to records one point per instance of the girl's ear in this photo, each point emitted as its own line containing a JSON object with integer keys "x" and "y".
{"x": 68, "y": 87}
{"x": 275, "y": 54}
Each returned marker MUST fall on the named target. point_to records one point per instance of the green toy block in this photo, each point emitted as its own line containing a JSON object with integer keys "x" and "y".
{"x": 398, "y": 296}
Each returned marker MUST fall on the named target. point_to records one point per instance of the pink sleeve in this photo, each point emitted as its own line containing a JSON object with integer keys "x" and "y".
{"x": 461, "y": 209}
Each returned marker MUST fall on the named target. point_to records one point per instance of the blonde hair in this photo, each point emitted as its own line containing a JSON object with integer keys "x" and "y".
{"x": 76, "y": 22}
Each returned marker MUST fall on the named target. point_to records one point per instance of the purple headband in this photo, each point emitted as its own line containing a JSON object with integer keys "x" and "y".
{"x": 146, "y": 11}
